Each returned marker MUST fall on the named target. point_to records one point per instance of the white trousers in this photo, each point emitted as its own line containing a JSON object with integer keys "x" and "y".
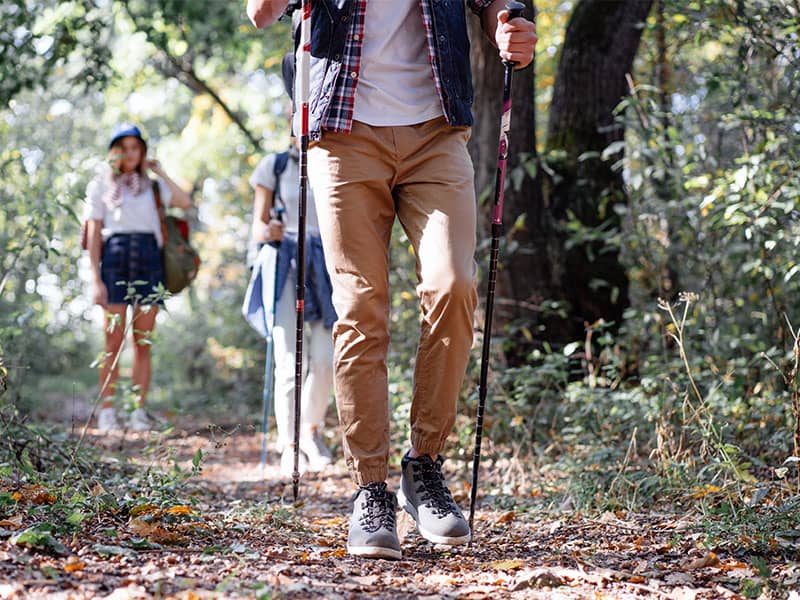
{"x": 317, "y": 367}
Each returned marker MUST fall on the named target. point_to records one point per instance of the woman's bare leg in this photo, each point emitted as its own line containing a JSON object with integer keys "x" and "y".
{"x": 114, "y": 327}
{"x": 144, "y": 320}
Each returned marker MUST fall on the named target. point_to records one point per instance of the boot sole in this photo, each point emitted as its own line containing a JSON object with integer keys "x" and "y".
{"x": 431, "y": 537}
{"x": 374, "y": 552}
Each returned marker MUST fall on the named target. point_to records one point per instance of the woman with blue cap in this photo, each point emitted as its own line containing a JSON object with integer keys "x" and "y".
{"x": 124, "y": 241}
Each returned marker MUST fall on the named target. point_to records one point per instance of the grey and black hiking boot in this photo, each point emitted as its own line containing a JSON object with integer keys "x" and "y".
{"x": 373, "y": 526}
{"x": 424, "y": 495}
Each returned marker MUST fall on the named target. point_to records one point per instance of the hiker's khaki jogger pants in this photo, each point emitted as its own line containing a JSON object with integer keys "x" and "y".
{"x": 423, "y": 175}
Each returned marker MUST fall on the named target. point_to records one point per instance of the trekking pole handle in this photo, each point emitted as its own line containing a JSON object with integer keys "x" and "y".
{"x": 514, "y": 9}
{"x": 276, "y": 212}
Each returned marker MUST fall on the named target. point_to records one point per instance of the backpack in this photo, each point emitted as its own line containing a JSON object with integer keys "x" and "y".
{"x": 281, "y": 161}
{"x": 181, "y": 261}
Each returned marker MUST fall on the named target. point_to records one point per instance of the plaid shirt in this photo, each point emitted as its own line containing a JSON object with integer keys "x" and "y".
{"x": 340, "y": 115}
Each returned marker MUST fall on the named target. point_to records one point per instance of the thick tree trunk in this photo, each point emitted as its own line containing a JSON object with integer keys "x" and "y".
{"x": 518, "y": 271}
{"x": 600, "y": 44}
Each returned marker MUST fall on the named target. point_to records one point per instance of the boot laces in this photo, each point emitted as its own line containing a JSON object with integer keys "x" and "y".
{"x": 378, "y": 508}
{"x": 434, "y": 492}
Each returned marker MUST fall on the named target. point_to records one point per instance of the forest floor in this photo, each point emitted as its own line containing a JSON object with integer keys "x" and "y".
{"x": 237, "y": 534}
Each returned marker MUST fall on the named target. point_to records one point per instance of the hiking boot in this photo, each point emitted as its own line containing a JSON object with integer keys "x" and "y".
{"x": 424, "y": 495}
{"x": 107, "y": 419}
{"x": 373, "y": 526}
{"x": 287, "y": 462}
{"x": 316, "y": 451}
{"x": 141, "y": 421}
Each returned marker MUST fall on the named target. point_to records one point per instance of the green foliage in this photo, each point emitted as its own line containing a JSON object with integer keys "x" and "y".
{"x": 192, "y": 74}
{"x": 695, "y": 390}
{"x": 713, "y": 184}
{"x": 39, "y": 38}
{"x": 58, "y": 488}
{"x": 39, "y": 537}
{"x": 38, "y": 225}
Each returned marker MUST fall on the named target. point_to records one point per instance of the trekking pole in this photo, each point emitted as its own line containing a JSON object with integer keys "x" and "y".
{"x": 515, "y": 10}
{"x": 303, "y": 67}
{"x": 266, "y": 399}
{"x": 277, "y": 213}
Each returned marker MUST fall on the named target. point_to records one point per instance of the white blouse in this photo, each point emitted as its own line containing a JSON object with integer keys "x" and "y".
{"x": 136, "y": 214}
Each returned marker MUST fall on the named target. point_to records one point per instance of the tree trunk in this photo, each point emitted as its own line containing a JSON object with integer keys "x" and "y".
{"x": 518, "y": 271}
{"x": 582, "y": 190}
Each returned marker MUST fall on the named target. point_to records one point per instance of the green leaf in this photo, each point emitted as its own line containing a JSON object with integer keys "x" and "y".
{"x": 198, "y": 456}
{"x": 39, "y": 537}
{"x": 77, "y": 517}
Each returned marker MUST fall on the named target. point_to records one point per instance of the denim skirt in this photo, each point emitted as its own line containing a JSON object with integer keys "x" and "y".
{"x": 131, "y": 268}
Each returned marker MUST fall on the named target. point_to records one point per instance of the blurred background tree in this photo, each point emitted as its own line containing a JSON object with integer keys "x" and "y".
{"x": 203, "y": 84}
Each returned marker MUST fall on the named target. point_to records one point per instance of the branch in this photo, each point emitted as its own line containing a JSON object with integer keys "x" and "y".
{"x": 184, "y": 72}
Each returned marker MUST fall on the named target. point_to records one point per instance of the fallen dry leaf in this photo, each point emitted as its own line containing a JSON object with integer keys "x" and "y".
{"x": 179, "y": 510}
{"x": 507, "y": 564}
{"x": 405, "y": 525}
{"x": 74, "y": 564}
{"x": 709, "y": 559}
{"x": 33, "y": 494}
{"x": 12, "y": 523}
{"x": 141, "y": 527}
{"x": 705, "y": 491}
{"x": 538, "y": 578}
{"x": 506, "y": 517}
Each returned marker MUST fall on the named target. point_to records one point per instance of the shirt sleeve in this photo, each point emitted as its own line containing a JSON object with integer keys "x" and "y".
{"x": 264, "y": 173}
{"x": 478, "y": 6}
{"x": 165, "y": 192}
{"x": 95, "y": 207}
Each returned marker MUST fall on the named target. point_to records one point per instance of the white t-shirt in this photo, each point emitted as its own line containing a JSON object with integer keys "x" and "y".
{"x": 136, "y": 214}
{"x": 289, "y": 192}
{"x": 395, "y": 79}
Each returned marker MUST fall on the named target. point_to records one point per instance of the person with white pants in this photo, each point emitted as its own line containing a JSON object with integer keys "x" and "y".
{"x": 275, "y": 189}
{"x": 317, "y": 385}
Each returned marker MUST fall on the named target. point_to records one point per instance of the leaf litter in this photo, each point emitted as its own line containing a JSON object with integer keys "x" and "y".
{"x": 240, "y": 536}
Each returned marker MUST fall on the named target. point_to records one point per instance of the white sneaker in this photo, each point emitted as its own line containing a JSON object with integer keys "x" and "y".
{"x": 107, "y": 419}
{"x": 316, "y": 451}
{"x": 287, "y": 462}
{"x": 140, "y": 420}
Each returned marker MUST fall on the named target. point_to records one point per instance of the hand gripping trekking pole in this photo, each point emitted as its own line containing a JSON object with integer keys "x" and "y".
{"x": 276, "y": 213}
{"x": 303, "y": 67}
{"x": 514, "y": 10}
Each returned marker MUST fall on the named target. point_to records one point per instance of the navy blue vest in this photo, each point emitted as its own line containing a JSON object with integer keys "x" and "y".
{"x": 330, "y": 22}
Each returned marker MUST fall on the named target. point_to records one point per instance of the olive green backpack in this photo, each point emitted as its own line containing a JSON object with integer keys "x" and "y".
{"x": 181, "y": 261}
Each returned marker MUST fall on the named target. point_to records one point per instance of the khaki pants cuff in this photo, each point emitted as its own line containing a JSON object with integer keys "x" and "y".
{"x": 369, "y": 476}
{"x": 427, "y": 444}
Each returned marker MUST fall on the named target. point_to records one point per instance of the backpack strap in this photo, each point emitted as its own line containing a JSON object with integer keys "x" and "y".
{"x": 160, "y": 210}
{"x": 281, "y": 162}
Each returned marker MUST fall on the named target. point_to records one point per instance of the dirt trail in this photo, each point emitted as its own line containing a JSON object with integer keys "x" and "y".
{"x": 250, "y": 541}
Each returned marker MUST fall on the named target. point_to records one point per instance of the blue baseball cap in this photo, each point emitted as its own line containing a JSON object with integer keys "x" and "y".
{"x": 125, "y": 130}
